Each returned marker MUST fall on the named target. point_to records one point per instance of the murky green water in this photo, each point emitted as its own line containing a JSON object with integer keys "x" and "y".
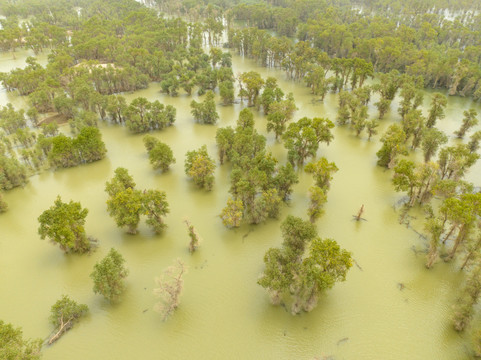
{"x": 224, "y": 314}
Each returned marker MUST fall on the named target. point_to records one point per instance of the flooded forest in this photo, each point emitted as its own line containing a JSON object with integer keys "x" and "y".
{"x": 230, "y": 179}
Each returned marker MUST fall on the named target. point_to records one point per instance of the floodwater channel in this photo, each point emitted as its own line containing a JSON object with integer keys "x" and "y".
{"x": 223, "y": 313}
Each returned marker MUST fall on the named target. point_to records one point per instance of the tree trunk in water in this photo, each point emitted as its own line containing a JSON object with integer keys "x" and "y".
{"x": 63, "y": 327}
{"x": 459, "y": 240}
{"x": 449, "y": 234}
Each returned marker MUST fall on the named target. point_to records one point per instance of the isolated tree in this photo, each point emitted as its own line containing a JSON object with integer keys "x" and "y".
{"x": 193, "y": 235}
{"x": 469, "y": 121}
{"x": 13, "y": 346}
{"x": 205, "y": 112}
{"x": 170, "y": 285}
{"x": 108, "y": 276}
{"x": 64, "y": 314}
{"x": 200, "y": 167}
{"x": 63, "y": 223}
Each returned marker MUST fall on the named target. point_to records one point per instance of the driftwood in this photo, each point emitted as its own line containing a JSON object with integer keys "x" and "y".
{"x": 359, "y": 217}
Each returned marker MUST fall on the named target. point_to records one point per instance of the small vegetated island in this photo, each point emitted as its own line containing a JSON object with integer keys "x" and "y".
{"x": 238, "y": 107}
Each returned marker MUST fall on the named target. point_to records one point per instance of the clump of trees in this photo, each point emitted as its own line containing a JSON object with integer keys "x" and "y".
{"x": 108, "y": 276}
{"x": 456, "y": 221}
{"x": 304, "y": 267}
{"x": 170, "y": 285}
{"x": 258, "y": 183}
{"x": 86, "y": 147}
{"x": 143, "y": 116}
{"x": 63, "y": 224}
{"x": 14, "y": 346}
{"x": 12, "y": 173}
{"x": 200, "y": 168}
{"x": 126, "y": 204}
{"x": 63, "y": 316}
{"x": 160, "y": 154}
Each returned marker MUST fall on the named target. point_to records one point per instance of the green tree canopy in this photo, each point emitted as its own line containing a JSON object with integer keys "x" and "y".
{"x": 108, "y": 276}
{"x": 63, "y": 224}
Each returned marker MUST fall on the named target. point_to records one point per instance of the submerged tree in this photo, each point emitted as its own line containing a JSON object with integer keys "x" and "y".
{"x": 464, "y": 308}
{"x": 303, "y": 137}
{"x": 436, "y": 112}
{"x": 13, "y": 346}
{"x": 250, "y": 84}
{"x": 322, "y": 171}
{"x": 64, "y": 314}
{"x": 126, "y": 204}
{"x": 233, "y": 213}
{"x": 108, "y": 276}
{"x": 469, "y": 121}
{"x": 280, "y": 113}
{"x": 160, "y": 154}
{"x": 393, "y": 145}
{"x": 432, "y": 140}
{"x": 317, "y": 199}
{"x": 63, "y": 223}
{"x": 170, "y": 285}
{"x": 3, "y": 204}
{"x": 474, "y": 141}
{"x": 205, "y": 112}
{"x": 194, "y": 236}
{"x": 304, "y": 267}
{"x": 200, "y": 167}
{"x": 125, "y": 207}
